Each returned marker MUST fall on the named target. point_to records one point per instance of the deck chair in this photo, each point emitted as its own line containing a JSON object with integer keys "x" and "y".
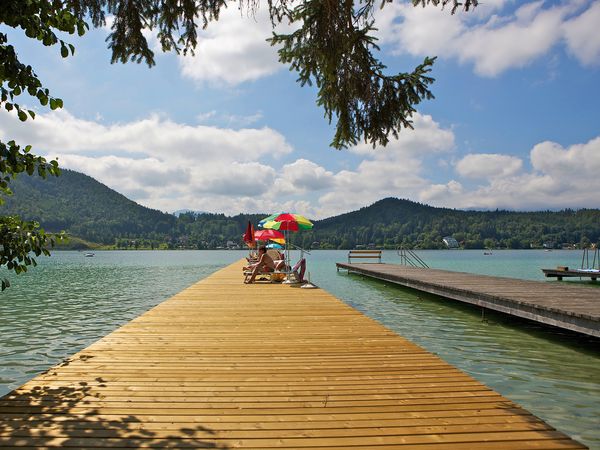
{"x": 275, "y": 276}
{"x": 275, "y": 254}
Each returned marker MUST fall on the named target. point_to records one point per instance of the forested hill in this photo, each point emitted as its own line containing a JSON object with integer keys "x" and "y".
{"x": 84, "y": 207}
{"x": 391, "y": 222}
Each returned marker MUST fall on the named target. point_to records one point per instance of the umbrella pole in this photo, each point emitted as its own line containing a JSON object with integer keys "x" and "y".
{"x": 287, "y": 257}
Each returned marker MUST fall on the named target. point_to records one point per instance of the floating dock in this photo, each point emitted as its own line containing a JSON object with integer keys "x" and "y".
{"x": 572, "y": 273}
{"x": 225, "y": 365}
{"x": 575, "y": 308}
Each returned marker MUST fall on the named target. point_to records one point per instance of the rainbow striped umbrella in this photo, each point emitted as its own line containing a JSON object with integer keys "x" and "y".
{"x": 286, "y": 222}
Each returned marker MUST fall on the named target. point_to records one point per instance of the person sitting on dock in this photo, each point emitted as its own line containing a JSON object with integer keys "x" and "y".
{"x": 264, "y": 264}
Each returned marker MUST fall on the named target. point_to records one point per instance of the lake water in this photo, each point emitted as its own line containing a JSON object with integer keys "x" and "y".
{"x": 70, "y": 301}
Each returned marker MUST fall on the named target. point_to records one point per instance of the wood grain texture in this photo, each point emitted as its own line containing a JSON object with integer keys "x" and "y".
{"x": 227, "y": 365}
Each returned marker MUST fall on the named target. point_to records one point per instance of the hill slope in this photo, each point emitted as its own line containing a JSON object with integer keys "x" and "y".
{"x": 391, "y": 222}
{"x": 84, "y": 207}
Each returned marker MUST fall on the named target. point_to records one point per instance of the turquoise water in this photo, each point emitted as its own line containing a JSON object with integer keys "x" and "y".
{"x": 70, "y": 301}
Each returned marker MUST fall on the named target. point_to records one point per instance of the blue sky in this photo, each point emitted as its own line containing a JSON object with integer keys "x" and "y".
{"x": 515, "y": 123}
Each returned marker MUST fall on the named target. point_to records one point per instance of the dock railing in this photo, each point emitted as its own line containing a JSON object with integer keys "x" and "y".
{"x": 302, "y": 250}
{"x": 408, "y": 257}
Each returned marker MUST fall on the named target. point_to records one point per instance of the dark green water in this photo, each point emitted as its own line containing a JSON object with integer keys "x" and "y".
{"x": 70, "y": 301}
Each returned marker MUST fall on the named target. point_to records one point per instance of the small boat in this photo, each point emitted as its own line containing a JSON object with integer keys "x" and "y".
{"x": 88, "y": 255}
{"x": 488, "y": 253}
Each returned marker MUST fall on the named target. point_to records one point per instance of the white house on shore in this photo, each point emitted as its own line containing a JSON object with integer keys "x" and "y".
{"x": 450, "y": 242}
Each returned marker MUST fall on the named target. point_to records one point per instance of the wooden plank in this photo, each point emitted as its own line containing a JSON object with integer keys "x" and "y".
{"x": 228, "y": 365}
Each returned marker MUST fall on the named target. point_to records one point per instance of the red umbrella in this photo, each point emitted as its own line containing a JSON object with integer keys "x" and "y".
{"x": 248, "y": 236}
{"x": 266, "y": 235}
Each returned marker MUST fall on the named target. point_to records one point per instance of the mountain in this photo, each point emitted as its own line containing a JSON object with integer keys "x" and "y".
{"x": 386, "y": 211}
{"x": 87, "y": 209}
{"x": 84, "y": 207}
{"x": 392, "y": 222}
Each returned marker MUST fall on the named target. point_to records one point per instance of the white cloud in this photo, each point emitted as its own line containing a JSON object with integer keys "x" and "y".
{"x": 581, "y": 161}
{"x": 131, "y": 177}
{"x": 416, "y": 30}
{"x": 229, "y": 120}
{"x": 439, "y": 193}
{"x": 494, "y": 48}
{"x": 392, "y": 171}
{"x": 169, "y": 165}
{"x": 243, "y": 121}
{"x": 561, "y": 178}
{"x": 304, "y": 175}
{"x": 427, "y": 137}
{"x": 233, "y": 50}
{"x": 582, "y": 36}
{"x": 161, "y": 163}
{"x": 204, "y": 117}
{"x": 156, "y": 136}
{"x": 488, "y": 165}
{"x": 493, "y": 42}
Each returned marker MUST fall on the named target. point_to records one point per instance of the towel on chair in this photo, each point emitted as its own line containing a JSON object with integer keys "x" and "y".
{"x": 299, "y": 269}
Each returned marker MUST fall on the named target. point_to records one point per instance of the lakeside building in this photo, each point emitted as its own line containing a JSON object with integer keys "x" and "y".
{"x": 450, "y": 242}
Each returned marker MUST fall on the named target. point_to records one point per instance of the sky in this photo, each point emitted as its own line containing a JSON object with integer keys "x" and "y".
{"x": 515, "y": 123}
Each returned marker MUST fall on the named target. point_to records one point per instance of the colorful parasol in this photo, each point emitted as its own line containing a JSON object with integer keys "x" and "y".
{"x": 269, "y": 235}
{"x": 286, "y": 222}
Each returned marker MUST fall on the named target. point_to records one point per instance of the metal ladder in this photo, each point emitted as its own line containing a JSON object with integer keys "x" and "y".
{"x": 409, "y": 258}
{"x": 585, "y": 259}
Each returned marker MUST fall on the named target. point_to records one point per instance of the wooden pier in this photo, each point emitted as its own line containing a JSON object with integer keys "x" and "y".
{"x": 226, "y": 365}
{"x": 575, "y": 308}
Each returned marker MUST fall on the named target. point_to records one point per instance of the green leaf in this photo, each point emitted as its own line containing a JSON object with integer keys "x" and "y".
{"x": 64, "y": 51}
{"x": 22, "y": 115}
